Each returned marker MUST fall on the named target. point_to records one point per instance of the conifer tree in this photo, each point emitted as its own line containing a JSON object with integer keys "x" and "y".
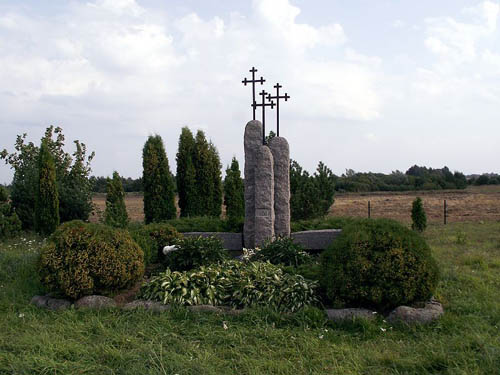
{"x": 418, "y": 216}
{"x": 234, "y": 192}
{"x": 186, "y": 174}
{"x": 47, "y": 198}
{"x": 215, "y": 202}
{"x": 115, "y": 214}
{"x": 204, "y": 186}
{"x": 158, "y": 182}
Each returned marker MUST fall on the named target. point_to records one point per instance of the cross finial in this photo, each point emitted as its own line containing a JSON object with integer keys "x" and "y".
{"x": 278, "y": 97}
{"x": 263, "y": 104}
{"x": 253, "y": 81}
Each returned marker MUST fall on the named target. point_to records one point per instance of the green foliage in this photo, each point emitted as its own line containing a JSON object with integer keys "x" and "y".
{"x": 186, "y": 174}
{"x": 282, "y": 251}
{"x": 234, "y": 192}
{"x": 311, "y": 196}
{"x": 206, "y": 224}
{"x": 152, "y": 238}
{"x": 418, "y": 216}
{"x": 99, "y": 184}
{"x": 47, "y": 197}
{"x": 322, "y": 223}
{"x": 10, "y": 225}
{"x": 116, "y": 212}
{"x": 72, "y": 176}
{"x": 194, "y": 252}
{"x": 83, "y": 259}
{"x": 158, "y": 182}
{"x": 208, "y": 201}
{"x": 379, "y": 264}
{"x": 234, "y": 284}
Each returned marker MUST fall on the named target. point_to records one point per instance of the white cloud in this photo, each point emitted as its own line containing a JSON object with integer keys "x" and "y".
{"x": 114, "y": 70}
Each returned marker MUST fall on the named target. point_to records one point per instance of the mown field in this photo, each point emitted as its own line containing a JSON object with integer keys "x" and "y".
{"x": 465, "y": 341}
{"x": 470, "y": 205}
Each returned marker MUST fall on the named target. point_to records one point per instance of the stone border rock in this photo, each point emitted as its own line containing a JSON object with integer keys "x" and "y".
{"x": 432, "y": 310}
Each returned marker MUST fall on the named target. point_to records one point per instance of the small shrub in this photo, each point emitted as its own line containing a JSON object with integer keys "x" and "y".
{"x": 282, "y": 251}
{"x": 232, "y": 283}
{"x": 152, "y": 238}
{"x": 116, "y": 211}
{"x": 10, "y": 225}
{"x": 82, "y": 259}
{"x": 379, "y": 264}
{"x": 418, "y": 216}
{"x": 194, "y": 252}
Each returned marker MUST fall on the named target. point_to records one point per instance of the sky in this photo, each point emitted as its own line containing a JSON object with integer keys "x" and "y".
{"x": 375, "y": 85}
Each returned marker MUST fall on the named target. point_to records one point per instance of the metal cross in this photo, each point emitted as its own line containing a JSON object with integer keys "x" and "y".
{"x": 253, "y": 81}
{"x": 265, "y": 96}
{"x": 278, "y": 97}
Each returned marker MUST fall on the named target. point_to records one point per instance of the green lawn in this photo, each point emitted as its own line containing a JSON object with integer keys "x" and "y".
{"x": 465, "y": 341}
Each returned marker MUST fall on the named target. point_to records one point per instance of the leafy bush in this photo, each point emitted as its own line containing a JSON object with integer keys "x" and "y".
{"x": 234, "y": 284}
{"x": 194, "y": 252}
{"x": 72, "y": 176}
{"x": 82, "y": 259}
{"x": 379, "y": 264}
{"x": 10, "y": 225}
{"x": 418, "y": 216}
{"x": 282, "y": 251}
{"x": 152, "y": 238}
{"x": 116, "y": 211}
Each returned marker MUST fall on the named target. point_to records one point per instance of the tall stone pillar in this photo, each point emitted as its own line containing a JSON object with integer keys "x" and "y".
{"x": 253, "y": 140}
{"x": 281, "y": 155}
{"x": 264, "y": 195}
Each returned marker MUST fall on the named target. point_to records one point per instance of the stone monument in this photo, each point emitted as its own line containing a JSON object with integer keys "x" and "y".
{"x": 267, "y": 175}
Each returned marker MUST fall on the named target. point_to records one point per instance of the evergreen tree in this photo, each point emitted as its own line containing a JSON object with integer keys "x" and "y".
{"x": 418, "y": 216}
{"x": 186, "y": 174}
{"x": 215, "y": 202}
{"x": 234, "y": 191}
{"x": 47, "y": 198}
{"x": 116, "y": 212}
{"x": 325, "y": 183}
{"x": 158, "y": 183}
{"x": 204, "y": 185}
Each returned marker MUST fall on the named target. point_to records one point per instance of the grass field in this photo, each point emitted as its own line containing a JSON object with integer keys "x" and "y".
{"x": 465, "y": 341}
{"x": 470, "y": 205}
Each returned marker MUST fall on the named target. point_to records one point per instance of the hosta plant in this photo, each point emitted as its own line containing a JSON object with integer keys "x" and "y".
{"x": 232, "y": 283}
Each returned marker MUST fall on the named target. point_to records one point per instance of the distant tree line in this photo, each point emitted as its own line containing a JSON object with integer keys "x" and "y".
{"x": 484, "y": 179}
{"x": 415, "y": 178}
{"x": 129, "y": 184}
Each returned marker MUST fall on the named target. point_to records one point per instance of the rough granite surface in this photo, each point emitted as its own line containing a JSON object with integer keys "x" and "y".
{"x": 264, "y": 196}
{"x": 281, "y": 155}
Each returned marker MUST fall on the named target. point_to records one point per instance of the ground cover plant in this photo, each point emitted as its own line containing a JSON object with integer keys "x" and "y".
{"x": 232, "y": 283}
{"x": 465, "y": 340}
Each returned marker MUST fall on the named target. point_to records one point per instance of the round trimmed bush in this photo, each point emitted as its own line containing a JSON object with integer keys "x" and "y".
{"x": 153, "y": 238}
{"x": 83, "y": 259}
{"x": 378, "y": 264}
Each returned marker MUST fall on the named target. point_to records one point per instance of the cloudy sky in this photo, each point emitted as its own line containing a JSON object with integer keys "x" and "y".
{"x": 375, "y": 85}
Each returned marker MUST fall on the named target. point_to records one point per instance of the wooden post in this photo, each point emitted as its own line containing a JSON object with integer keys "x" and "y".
{"x": 369, "y": 210}
{"x": 444, "y": 212}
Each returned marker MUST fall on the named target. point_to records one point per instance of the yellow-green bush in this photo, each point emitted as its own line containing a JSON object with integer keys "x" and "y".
{"x": 153, "y": 238}
{"x": 379, "y": 264}
{"x": 82, "y": 259}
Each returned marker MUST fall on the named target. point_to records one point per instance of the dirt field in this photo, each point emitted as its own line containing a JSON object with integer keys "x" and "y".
{"x": 473, "y": 204}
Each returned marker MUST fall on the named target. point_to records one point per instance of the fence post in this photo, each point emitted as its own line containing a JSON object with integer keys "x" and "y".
{"x": 369, "y": 210}
{"x": 444, "y": 212}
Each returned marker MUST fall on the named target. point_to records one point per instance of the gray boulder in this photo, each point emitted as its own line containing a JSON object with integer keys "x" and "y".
{"x": 432, "y": 311}
{"x": 340, "y": 315}
{"x": 146, "y": 305}
{"x": 50, "y": 303}
{"x": 95, "y": 302}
